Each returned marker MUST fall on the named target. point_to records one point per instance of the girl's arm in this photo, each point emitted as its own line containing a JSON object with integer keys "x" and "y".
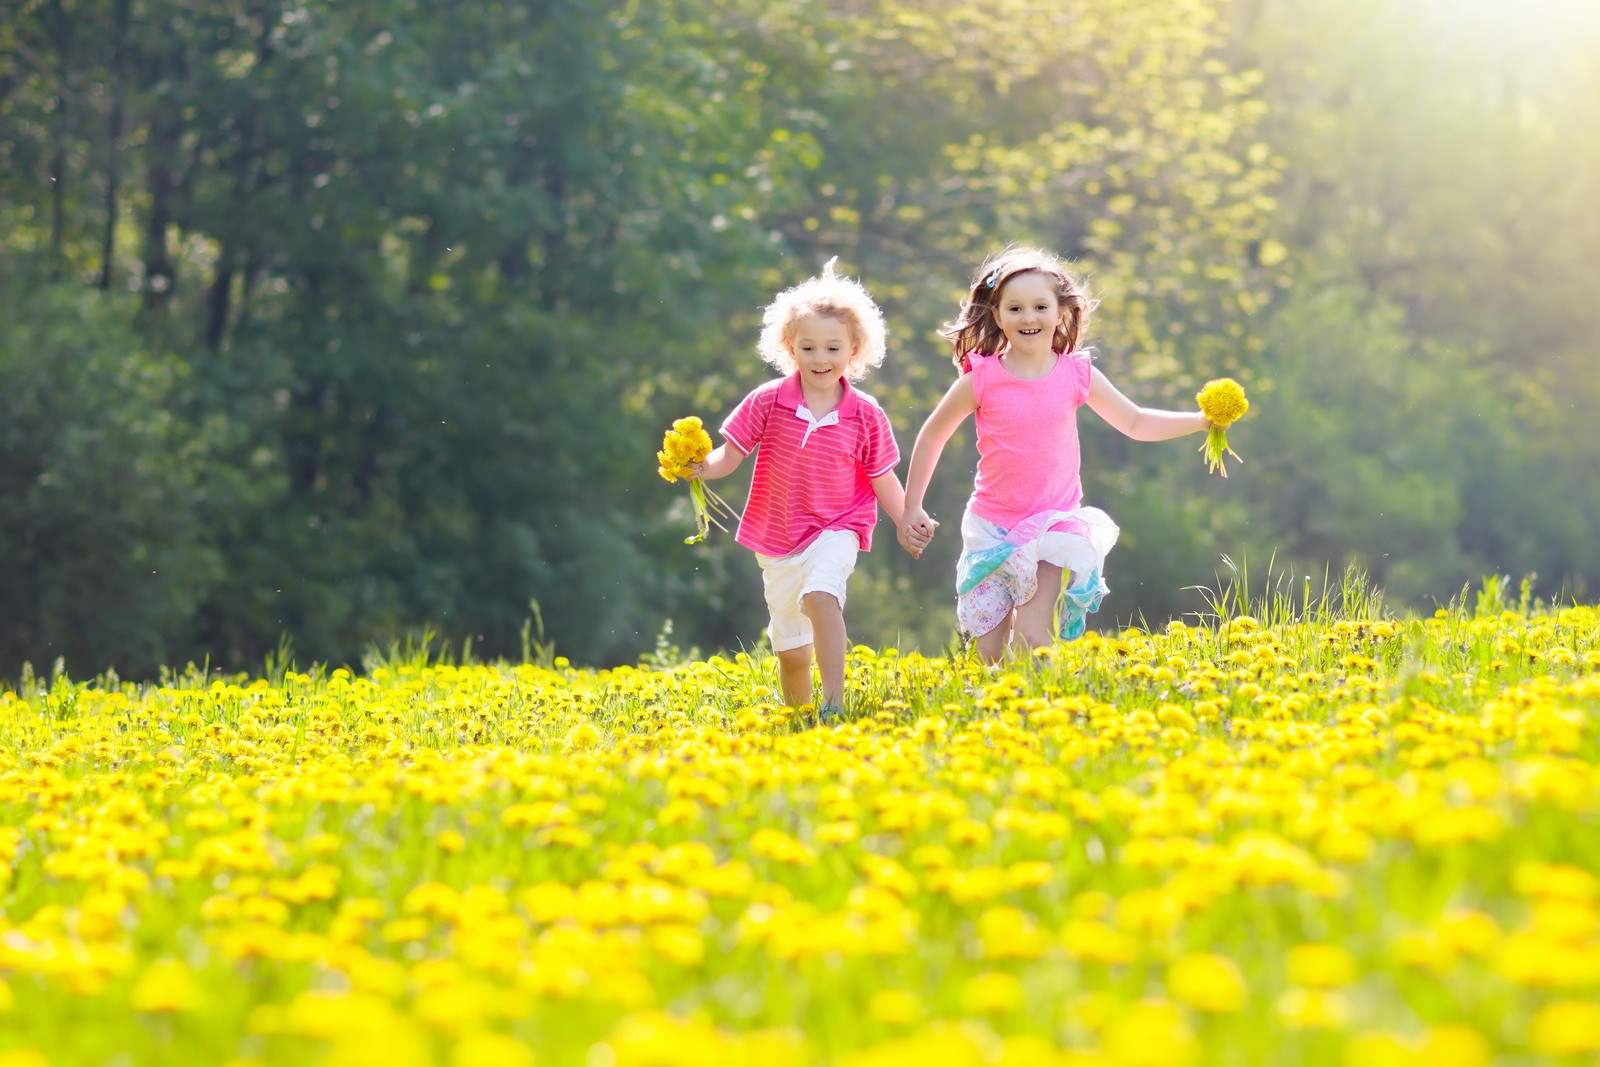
{"x": 723, "y": 461}
{"x": 958, "y": 402}
{"x": 1141, "y": 424}
{"x": 892, "y": 498}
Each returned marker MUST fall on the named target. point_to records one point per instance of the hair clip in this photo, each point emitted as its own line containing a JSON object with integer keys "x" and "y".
{"x": 993, "y": 277}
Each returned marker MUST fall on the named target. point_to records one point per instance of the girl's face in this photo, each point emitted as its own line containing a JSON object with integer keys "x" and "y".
{"x": 822, "y": 349}
{"x": 1028, "y": 313}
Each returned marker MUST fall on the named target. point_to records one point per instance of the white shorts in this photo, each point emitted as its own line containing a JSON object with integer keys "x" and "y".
{"x": 823, "y": 566}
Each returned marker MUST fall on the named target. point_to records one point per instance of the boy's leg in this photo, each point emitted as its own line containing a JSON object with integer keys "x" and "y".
{"x": 794, "y": 673}
{"x": 1034, "y": 629}
{"x": 782, "y": 578}
{"x": 830, "y": 641}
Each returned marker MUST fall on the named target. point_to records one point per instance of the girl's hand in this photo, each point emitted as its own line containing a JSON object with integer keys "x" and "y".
{"x": 912, "y": 540}
{"x": 915, "y": 532}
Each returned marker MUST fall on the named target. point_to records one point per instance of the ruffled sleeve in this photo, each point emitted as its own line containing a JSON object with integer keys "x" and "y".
{"x": 1080, "y": 377}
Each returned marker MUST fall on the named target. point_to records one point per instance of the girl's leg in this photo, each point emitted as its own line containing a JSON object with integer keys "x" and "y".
{"x": 828, "y": 636}
{"x": 794, "y": 672}
{"x": 992, "y": 645}
{"x": 1034, "y": 618}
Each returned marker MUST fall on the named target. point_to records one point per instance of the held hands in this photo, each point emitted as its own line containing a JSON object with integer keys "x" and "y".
{"x": 915, "y": 531}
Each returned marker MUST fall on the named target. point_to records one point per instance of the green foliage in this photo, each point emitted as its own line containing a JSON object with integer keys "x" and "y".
{"x": 1362, "y": 449}
{"x": 383, "y": 307}
{"x": 104, "y": 560}
{"x": 1442, "y": 190}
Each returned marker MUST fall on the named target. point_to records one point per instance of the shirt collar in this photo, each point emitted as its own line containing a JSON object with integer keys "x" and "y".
{"x": 790, "y": 395}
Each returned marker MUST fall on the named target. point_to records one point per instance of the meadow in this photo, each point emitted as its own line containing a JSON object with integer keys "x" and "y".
{"x": 1271, "y": 835}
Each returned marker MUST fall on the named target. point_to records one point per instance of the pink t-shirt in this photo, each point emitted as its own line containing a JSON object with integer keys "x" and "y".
{"x": 809, "y": 479}
{"x": 1028, "y": 458}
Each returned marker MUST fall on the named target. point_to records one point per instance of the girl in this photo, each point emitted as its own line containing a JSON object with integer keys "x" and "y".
{"x": 826, "y": 461}
{"x": 1023, "y": 375}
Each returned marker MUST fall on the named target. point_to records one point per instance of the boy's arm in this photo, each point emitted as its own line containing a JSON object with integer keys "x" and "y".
{"x": 723, "y": 461}
{"x": 892, "y": 498}
{"x": 1141, "y": 424}
{"x": 891, "y": 495}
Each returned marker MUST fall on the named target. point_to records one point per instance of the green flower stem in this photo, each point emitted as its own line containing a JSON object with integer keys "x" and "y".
{"x": 1215, "y": 447}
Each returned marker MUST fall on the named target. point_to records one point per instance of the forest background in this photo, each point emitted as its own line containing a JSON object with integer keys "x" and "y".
{"x": 328, "y": 325}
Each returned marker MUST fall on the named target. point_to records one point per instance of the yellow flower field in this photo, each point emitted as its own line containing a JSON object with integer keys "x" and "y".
{"x": 1353, "y": 841}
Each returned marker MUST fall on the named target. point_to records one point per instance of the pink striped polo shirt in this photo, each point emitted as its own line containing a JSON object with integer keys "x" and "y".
{"x": 1028, "y": 459}
{"x": 809, "y": 480}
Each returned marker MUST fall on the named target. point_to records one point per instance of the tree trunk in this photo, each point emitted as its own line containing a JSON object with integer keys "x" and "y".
{"x": 217, "y": 307}
{"x": 162, "y": 152}
{"x": 119, "y": 55}
{"x": 61, "y": 25}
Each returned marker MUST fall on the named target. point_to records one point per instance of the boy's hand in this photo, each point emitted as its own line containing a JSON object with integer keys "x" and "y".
{"x": 915, "y": 532}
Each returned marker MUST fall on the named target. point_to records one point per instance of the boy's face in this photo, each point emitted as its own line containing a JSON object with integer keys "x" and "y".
{"x": 822, "y": 349}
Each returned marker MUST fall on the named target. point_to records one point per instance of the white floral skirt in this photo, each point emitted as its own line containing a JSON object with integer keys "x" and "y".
{"x": 999, "y": 567}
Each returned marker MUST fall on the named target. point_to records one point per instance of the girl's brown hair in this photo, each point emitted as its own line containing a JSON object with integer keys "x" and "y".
{"x": 975, "y": 328}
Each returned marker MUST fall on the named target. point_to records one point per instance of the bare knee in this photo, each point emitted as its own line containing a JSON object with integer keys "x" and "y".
{"x": 992, "y": 645}
{"x": 1034, "y": 619}
{"x": 795, "y": 659}
{"x": 817, "y": 603}
{"x": 1033, "y": 635}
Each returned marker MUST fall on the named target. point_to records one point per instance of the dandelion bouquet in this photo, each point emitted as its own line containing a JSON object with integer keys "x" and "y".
{"x": 687, "y": 442}
{"x": 1222, "y": 402}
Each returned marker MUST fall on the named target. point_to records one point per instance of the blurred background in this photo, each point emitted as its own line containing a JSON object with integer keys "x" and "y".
{"x": 330, "y": 325}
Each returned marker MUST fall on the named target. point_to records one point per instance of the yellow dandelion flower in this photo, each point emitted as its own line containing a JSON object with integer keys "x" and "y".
{"x": 166, "y": 987}
{"x": 1566, "y": 1028}
{"x": 23, "y": 1057}
{"x": 992, "y": 993}
{"x": 1010, "y": 933}
{"x": 1379, "y": 1050}
{"x": 485, "y": 1049}
{"x": 1456, "y": 1045}
{"x": 1222, "y": 402}
{"x": 1321, "y": 966}
{"x": 894, "y": 1007}
{"x": 1206, "y": 982}
{"x": 1313, "y": 1009}
{"x": 688, "y": 443}
{"x": 679, "y": 943}
{"x": 1151, "y": 1033}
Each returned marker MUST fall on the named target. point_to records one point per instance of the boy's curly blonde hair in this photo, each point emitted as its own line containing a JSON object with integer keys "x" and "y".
{"x": 833, "y": 296}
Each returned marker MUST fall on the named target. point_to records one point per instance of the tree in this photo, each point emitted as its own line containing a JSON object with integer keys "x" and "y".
{"x": 101, "y": 477}
{"x": 1444, "y": 162}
